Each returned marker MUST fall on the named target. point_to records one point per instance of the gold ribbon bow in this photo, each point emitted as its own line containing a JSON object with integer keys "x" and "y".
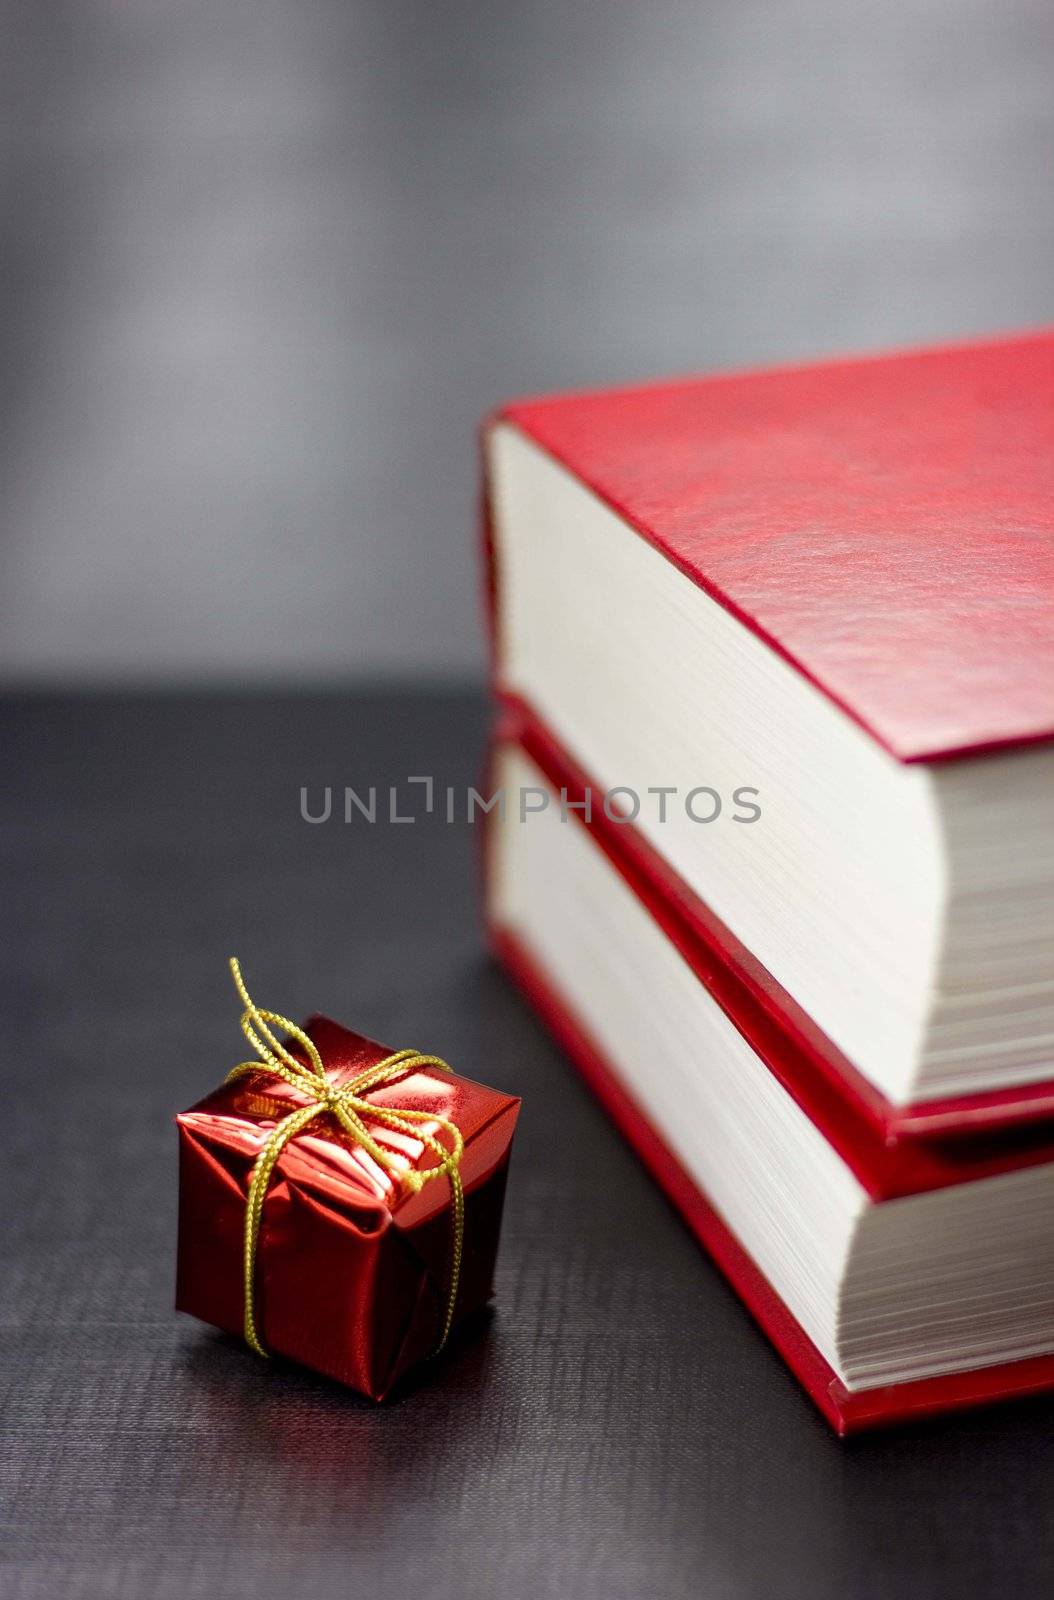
{"x": 346, "y": 1102}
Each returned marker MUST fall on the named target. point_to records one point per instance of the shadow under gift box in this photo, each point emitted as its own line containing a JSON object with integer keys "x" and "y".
{"x": 352, "y": 1268}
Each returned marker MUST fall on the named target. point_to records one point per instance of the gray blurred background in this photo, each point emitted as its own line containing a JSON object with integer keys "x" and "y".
{"x": 264, "y": 263}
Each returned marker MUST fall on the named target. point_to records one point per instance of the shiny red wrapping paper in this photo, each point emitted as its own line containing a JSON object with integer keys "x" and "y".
{"x": 353, "y": 1270}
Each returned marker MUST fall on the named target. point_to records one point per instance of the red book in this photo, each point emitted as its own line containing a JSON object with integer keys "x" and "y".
{"x": 799, "y": 625}
{"x": 896, "y": 1279}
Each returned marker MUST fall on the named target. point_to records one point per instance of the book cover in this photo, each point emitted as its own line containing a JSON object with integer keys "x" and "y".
{"x": 886, "y": 524}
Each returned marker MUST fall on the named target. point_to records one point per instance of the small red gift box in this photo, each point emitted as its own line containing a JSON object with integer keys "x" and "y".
{"x": 359, "y": 1266}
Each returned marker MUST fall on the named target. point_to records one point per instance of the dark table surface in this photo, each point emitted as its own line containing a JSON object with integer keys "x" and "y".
{"x": 618, "y": 1429}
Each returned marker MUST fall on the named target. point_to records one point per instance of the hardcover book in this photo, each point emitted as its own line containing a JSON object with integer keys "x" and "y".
{"x": 896, "y": 1279}
{"x": 819, "y": 601}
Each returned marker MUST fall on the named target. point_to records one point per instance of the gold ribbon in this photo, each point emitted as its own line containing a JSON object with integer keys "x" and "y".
{"x": 347, "y": 1104}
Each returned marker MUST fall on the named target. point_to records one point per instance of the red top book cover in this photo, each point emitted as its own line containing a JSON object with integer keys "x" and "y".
{"x": 885, "y": 523}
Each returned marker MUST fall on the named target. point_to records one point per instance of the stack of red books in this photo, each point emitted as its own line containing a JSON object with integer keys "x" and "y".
{"x": 775, "y": 854}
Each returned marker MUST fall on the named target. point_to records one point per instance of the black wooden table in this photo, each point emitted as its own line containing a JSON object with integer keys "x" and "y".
{"x": 619, "y": 1429}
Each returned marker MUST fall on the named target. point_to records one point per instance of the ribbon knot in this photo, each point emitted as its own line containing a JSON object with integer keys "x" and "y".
{"x": 348, "y": 1104}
